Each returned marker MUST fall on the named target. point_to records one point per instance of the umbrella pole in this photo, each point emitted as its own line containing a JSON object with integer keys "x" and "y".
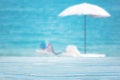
{"x": 85, "y": 35}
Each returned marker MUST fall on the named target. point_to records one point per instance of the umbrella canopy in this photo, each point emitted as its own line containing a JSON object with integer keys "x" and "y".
{"x": 85, "y": 9}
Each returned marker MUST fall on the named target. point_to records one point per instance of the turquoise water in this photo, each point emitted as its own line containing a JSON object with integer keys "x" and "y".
{"x": 59, "y": 68}
{"x": 24, "y": 23}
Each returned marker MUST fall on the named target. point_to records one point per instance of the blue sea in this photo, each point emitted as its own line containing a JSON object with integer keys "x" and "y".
{"x": 25, "y": 23}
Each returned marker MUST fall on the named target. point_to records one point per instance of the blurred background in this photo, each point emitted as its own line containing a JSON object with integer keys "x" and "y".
{"x": 25, "y": 23}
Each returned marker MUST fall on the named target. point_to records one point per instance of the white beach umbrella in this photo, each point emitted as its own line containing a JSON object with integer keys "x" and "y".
{"x": 85, "y": 9}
